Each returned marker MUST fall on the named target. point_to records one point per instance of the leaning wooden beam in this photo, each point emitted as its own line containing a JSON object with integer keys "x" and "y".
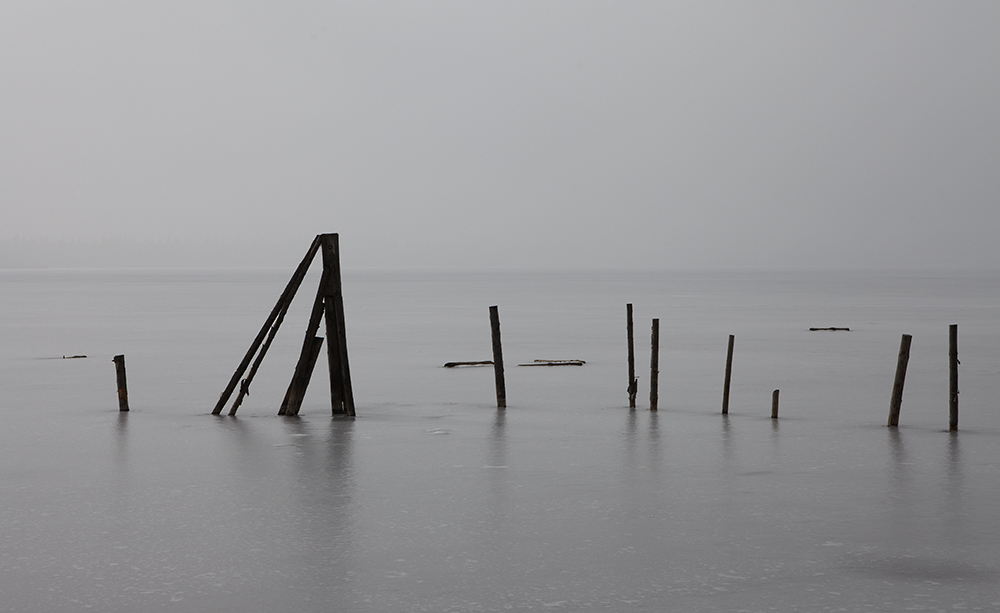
{"x": 303, "y": 368}
{"x": 245, "y": 384}
{"x": 286, "y": 296}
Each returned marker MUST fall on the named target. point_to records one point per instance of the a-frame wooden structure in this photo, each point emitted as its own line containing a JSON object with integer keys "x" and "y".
{"x": 328, "y": 305}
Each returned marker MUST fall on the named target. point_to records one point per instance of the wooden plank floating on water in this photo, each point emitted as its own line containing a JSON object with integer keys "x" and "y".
{"x": 458, "y": 364}
{"x": 830, "y": 329}
{"x": 555, "y": 363}
{"x": 73, "y": 357}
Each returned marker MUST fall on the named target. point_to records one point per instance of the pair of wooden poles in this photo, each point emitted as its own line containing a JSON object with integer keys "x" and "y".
{"x": 654, "y": 362}
{"x": 897, "y": 387}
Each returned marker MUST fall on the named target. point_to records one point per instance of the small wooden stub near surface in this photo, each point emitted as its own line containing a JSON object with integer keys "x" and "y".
{"x": 457, "y": 364}
{"x": 555, "y": 363}
{"x": 829, "y": 329}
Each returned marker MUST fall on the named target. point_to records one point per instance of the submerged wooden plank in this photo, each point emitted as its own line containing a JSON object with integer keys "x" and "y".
{"x": 555, "y": 363}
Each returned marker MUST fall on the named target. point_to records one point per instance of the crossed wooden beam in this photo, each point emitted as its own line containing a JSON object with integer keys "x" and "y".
{"x": 328, "y": 305}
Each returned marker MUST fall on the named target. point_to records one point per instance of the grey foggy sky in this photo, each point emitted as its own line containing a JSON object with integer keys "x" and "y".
{"x": 511, "y": 133}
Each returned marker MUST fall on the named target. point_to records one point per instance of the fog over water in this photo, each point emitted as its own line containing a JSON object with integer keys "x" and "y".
{"x": 514, "y": 134}
{"x": 432, "y": 499}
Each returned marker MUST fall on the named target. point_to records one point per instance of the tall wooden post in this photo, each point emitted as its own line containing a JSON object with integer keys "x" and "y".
{"x": 774, "y": 404}
{"x": 341, "y": 391}
{"x": 654, "y": 365}
{"x": 633, "y": 385}
{"x": 729, "y": 376}
{"x": 897, "y": 386}
{"x": 953, "y": 377}
{"x": 119, "y": 361}
{"x": 498, "y": 358}
{"x": 328, "y": 304}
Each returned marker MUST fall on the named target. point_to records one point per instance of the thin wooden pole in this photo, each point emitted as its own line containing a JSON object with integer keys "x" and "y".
{"x": 729, "y": 376}
{"x": 953, "y": 377}
{"x": 245, "y": 383}
{"x": 897, "y": 386}
{"x": 654, "y": 365}
{"x": 498, "y": 358}
{"x": 286, "y": 296}
{"x": 633, "y": 384}
{"x": 119, "y": 361}
{"x": 774, "y": 404}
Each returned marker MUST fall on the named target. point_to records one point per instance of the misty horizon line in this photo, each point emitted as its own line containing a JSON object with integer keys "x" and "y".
{"x": 36, "y": 253}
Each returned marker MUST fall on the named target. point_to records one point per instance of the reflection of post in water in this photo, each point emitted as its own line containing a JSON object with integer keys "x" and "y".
{"x": 727, "y": 442}
{"x": 320, "y": 507}
{"x": 498, "y": 441}
{"x": 654, "y": 441}
{"x": 340, "y": 455}
{"x": 630, "y": 442}
{"x": 955, "y": 486}
{"x": 121, "y": 439}
{"x": 900, "y": 523}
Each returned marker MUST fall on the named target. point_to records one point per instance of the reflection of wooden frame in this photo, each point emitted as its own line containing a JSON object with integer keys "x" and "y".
{"x": 329, "y": 305}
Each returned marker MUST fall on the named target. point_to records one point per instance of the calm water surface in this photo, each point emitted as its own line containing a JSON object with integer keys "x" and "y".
{"x": 433, "y": 500}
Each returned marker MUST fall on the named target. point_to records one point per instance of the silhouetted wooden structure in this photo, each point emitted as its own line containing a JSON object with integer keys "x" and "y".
{"x": 328, "y": 305}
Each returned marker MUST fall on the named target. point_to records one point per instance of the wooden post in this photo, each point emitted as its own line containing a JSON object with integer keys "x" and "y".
{"x": 897, "y": 386}
{"x": 654, "y": 365}
{"x": 341, "y": 391}
{"x": 633, "y": 385}
{"x": 729, "y": 376}
{"x": 498, "y": 358}
{"x": 774, "y": 404}
{"x": 119, "y": 361}
{"x": 953, "y": 377}
{"x": 328, "y": 304}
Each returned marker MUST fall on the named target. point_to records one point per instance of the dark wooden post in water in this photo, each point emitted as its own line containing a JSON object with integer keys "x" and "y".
{"x": 654, "y": 365}
{"x": 119, "y": 361}
{"x": 729, "y": 376}
{"x": 328, "y": 303}
{"x": 897, "y": 386}
{"x": 498, "y": 358}
{"x": 341, "y": 391}
{"x": 633, "y": 384}
{"x": 774, "y": 404}
{"x": 953, "y": 377}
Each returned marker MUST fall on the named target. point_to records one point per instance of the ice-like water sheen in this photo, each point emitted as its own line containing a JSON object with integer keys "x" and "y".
{"x": 432, "y": 500}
